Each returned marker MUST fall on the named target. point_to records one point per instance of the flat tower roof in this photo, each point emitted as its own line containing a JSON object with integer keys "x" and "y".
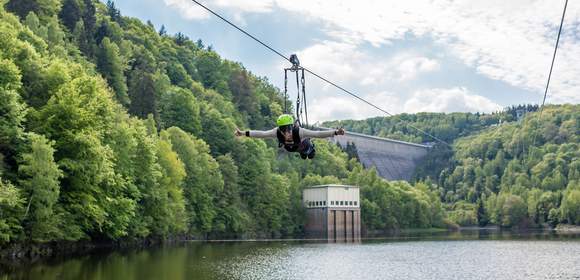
{"x": 331, "y": 186}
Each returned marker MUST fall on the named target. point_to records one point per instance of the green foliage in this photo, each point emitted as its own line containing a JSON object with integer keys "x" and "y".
{"x": 70, "y": 13}
{"x": 231, "y": 219}
{"x": 526, "y": 159}
{"x": 180, "y": 108}
{"x": 216, "y": 130}
{"x": 10, "y": 210}
{"x": 203, "y": 180}
{"x": 209, "y": 66}
{"x": 12, "y": 110}
{"x": 40, "y": 182}
{"x": 395, "y": 205}
{"x": 514, "y": 211}
{"x": 533, "y": 161}
{"x": 173, "y": 174}
{"x": 76, "y": 118}
{"x": 241, "y": 88}
{"x": 109, "y": 63}
{"x": 142, "y": 83}
{"x": 45, "y": 8}
{"x": 571, "y": 206}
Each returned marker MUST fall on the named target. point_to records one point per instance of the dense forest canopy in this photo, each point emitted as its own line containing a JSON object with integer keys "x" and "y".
{"x": 111, "y": 129}
{"x": 509, "y": 168}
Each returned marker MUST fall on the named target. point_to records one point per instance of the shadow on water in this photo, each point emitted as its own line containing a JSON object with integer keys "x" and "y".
{"x": 206, "y": 260}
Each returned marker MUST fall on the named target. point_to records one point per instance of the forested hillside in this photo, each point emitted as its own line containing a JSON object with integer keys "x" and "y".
{"x": 509, "y": 173}
{"x": 520, "y": 172}
{"x": 446, "y": 127}
{"x": 111, "y": 129}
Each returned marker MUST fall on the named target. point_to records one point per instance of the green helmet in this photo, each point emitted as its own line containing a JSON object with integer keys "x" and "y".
{"x": 284, "y": 120}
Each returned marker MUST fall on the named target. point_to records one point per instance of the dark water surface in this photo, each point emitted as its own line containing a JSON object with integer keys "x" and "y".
{"x": 466, "y": 255}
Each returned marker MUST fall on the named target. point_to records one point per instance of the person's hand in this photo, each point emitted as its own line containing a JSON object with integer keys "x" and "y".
{"x": 238, "y": 132}
{"x": 340, "y": 131}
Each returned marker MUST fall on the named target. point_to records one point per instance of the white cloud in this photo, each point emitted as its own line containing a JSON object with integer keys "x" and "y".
{"x": 511, "y": 41}
{"x": 187, "y": 9}
{"x": 345, "y": 62}
{"x": 253, "y": 6}
{"x": 191, "y": 11}
{"x": 456, "y": 99}
{"x": 409, "y": 68}
{"x": 338, "y": 61}
{"x": 336, "y": 107}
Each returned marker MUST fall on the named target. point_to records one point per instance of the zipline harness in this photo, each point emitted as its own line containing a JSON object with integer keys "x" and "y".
{"x": 300, "y": 91}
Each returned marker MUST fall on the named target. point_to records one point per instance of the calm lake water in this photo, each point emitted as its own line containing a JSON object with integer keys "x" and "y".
{"x": 466, "y": 255}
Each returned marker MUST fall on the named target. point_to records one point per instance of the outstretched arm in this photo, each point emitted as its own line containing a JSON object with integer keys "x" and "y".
{"x": 257, "y": 133}
{"x": 307, "y": 133}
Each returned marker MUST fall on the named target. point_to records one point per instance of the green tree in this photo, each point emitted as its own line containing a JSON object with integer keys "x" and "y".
{"x": 244, "y": 97}
{"x": 12, "y": 109}
{"x": 142, "y": 85}
{"x": 40, "y": 182}
{"x": 571, "y": 207}
{"x": 10, "y": 209}
{"x": 514, "y": 211}
{"x": 231, "y": 219}
{"x": 174, "y": 174}
{"x": 22, "y": 7}
{"x": 80, "y": 38}
{"x": 482, "y": 219}
{"x": 70, "y": 13}
{"x": 153, "y": 206}
{"x": 89, "y": 17}
{"x": 533, "y": 204}
{"x": 92, "y": 193}
{"x": 178, "y": 75}
{"x": 113, "y": 12}
{"x": 209, "y": 67}
{"x": 55, "y": 35}
{"x": 203, "y": 180}
{"x": 33, "y": 23}
{"x": 216, "y": 130}
{"x": 180, "y": 108}
{"x": 111, "y": 66}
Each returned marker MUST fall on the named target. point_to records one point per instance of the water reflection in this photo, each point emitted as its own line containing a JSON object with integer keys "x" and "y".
{"x": 487, "y": 254}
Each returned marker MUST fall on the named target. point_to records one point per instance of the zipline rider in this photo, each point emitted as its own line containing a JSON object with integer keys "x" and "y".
{"x": 291, "y": 136}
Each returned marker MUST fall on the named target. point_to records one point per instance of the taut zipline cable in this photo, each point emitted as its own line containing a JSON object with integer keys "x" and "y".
{"x": 554, "y": 57}
{"x": 548, "y": 82}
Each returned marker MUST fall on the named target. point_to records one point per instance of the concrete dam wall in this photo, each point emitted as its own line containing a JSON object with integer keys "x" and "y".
{"x": 394, "y": 160}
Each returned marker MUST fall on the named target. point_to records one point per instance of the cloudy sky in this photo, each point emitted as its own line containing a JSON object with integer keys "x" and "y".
{"x": 404, "y": 56}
